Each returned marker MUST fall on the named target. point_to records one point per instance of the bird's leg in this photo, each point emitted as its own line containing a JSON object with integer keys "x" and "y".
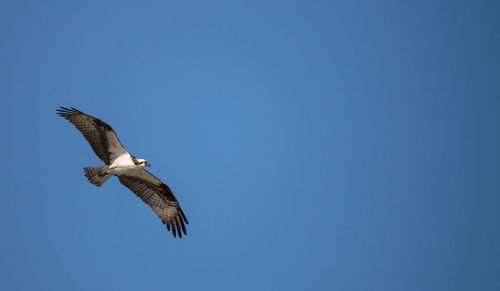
{"x": 104, "y": 173}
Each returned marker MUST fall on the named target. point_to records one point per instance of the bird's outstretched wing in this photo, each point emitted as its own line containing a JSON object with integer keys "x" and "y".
{"x": 159, "y": 197}
{"x": 101, "y": 137}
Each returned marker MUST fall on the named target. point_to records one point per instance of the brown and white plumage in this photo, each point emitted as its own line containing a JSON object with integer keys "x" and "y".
{"x": 130, "y": 170}
{"x": 159, "y": 197}
{"x": 101, "y": 137}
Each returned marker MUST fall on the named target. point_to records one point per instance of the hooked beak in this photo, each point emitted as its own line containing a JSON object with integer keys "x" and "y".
{"x": 148, "y": 164}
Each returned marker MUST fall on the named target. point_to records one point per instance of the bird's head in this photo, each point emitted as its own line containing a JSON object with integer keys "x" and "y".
{"x": 144, "y": 163}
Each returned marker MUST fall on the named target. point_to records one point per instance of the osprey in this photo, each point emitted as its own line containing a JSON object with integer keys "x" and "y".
{"x": 129, "y": 169}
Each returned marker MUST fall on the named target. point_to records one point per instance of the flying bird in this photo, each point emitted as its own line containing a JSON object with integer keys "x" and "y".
{"x": 129, "y": 169}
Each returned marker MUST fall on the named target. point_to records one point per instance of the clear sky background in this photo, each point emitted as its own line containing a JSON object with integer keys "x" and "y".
{"x": 313, "y": 145}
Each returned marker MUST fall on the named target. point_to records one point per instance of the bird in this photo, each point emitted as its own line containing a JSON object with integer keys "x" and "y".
{"x": 129, "y": 169}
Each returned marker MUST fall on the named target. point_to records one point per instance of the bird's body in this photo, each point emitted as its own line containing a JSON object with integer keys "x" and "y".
{"x": 129, "y": 169}
{"x": 123, "y": 164}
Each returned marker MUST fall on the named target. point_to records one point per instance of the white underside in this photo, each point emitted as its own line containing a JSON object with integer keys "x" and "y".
{"x": 123, "y": 164}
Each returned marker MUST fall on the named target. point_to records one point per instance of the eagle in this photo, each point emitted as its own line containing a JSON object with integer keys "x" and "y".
{"x": 129, "y": 169}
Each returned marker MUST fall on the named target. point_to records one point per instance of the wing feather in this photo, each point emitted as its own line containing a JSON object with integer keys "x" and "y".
{"x": 159, "y": 197}
{"x": 100, "y": 135}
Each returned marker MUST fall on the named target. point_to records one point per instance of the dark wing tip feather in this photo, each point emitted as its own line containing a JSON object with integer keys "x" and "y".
{"x": 178, "y": 227}
{"x": 182, "y": 225}
{"x": 173, "y": 230}
{"x": 72, "y": 111}
{"x": 68, "y": 112}
{"x": 183, "y": 216}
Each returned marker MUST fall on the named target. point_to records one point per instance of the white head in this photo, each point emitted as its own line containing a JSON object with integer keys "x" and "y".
{"x": 143, "y": 163}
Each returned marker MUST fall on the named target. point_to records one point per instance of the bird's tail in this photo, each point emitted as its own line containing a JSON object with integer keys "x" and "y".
{"x": 97, "y": 175}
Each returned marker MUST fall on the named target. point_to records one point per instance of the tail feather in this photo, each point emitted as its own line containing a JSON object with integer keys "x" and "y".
{"x": 97, "y": 175}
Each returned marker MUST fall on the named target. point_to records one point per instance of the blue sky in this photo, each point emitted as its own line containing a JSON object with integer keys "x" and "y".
{"x": 313, "y": 145}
